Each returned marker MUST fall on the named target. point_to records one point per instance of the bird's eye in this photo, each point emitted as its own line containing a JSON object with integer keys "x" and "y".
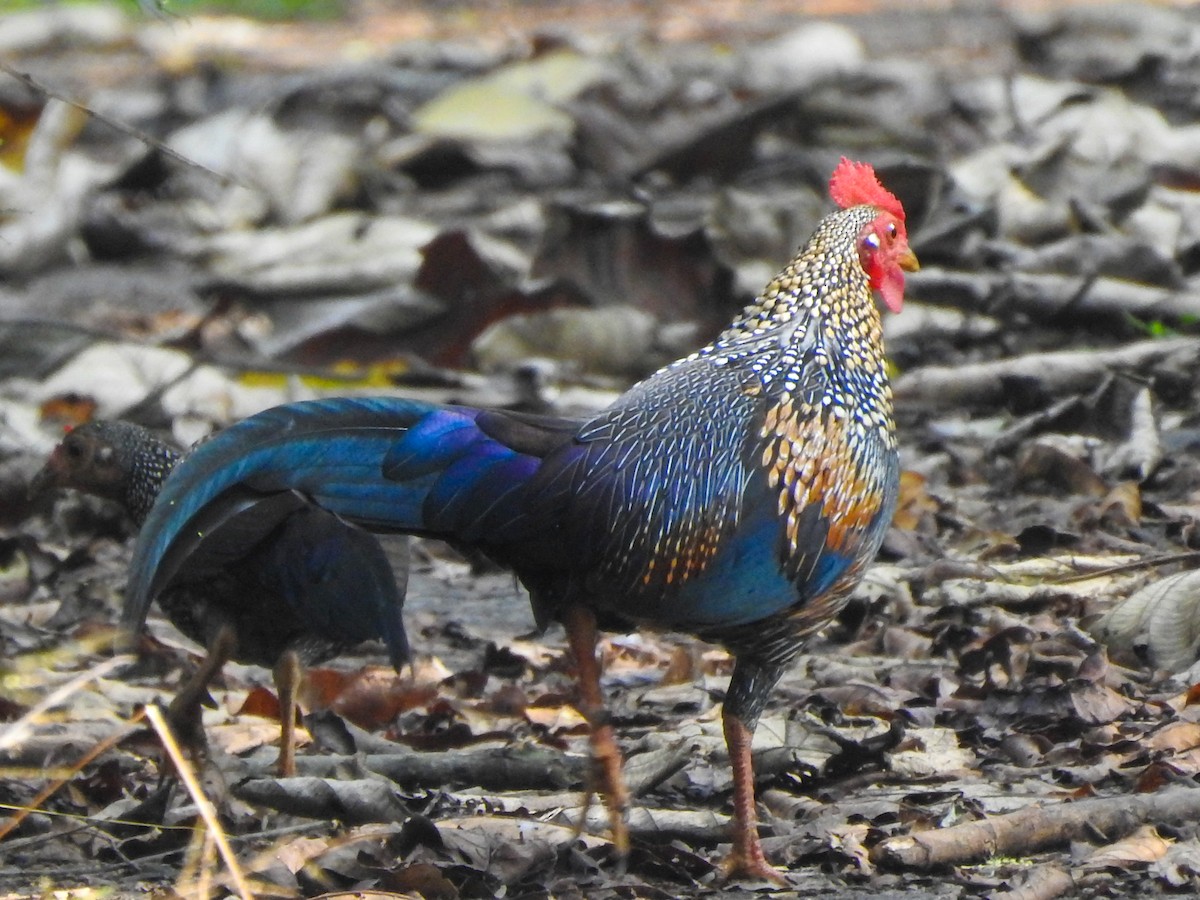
{"x": 74, "y": 450}
{"x": 891, "y": 229}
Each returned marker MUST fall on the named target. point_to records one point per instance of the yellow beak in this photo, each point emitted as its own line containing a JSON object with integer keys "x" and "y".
{"x": 908, "y": 261}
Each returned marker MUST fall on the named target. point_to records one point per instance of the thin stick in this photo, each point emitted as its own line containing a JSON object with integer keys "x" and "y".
{"x": 149, "y": 140}
{"x": 184, "y": 769}
{"x": 1189, "y": 556}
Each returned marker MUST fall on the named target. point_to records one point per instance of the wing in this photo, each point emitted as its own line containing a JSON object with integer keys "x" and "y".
{"x": 646, "y": 492}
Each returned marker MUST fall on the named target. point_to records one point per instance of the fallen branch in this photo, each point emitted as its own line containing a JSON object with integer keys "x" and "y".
{"x": 692, "y": 826}
{"x": 499, "y": 769}
{"x": 355, "y": 802}
{"x": 503, "y": 769}
{"x": 1049, "y": 296}
{"x": 1038, "y": 828}
{"x": 1056, "y": 373}
{"x": 1053, "y": 880}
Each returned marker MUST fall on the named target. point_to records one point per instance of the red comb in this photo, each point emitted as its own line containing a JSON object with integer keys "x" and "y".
{"x": 855, "y": 183}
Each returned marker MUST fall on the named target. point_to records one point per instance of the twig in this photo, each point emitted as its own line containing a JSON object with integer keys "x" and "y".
{"x": 1038, "y": 828}
{"x": 1058, "y": 372}
{"x": 123, "y": 127}
{"x": 1171, "y": 559}
{"x": 203, "y": 804}
{"x": 1050, "y": 296}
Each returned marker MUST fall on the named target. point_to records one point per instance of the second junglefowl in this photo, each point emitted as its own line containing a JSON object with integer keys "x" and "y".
{"x": 282, "y": 583}
{"x": 737, "y": 494}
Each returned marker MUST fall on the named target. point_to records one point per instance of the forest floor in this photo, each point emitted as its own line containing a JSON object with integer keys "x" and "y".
{"x": 533, "y": 204}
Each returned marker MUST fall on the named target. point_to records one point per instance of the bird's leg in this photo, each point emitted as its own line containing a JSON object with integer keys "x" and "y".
{"x": 184, "y": 711}
{"x": 746, "y": 860}
{"x": 288, "y": 673}
{"x": 582, "y": 637}
{"x": 747, "y": 694}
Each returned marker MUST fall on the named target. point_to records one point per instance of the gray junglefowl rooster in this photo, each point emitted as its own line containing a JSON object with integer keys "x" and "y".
{"x": 736, "y": 494}
{"x": 283, "y": 583}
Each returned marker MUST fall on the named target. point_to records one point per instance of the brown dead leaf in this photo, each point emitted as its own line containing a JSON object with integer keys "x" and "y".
{"x": 848, "y": 839}
{"x": 1122, "y": 507}
{"x": 376, "y": 696}
{"x": 297, "y": 852}
{"x": 930, "y": 752}
{"x": 17, "y": 123}
{"x": 635, "y": 652}
{"x": 991, "y": 544}
{"x": 860, "y": 698}
{"x": 1097, "y": 704}
{"x": 1142, "y": 847}
{"x": 682, "y": 667}
{"x": 507, "y": 700}
{"x": 506, "y": 847}
{"x": 322, "y": 686}
{"x": 260, "y": 702}
{"x": 916, "y": 508}
{"x": 421, "y": 880}
{"x": 246, "y": 733}
{"x": 1176, "y": 737}
{"x": 1055, "y": 463}
{"x": 1156, "y": 776}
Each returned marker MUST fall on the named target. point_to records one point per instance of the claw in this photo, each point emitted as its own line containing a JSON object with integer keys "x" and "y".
{"x": 751, "y": 865}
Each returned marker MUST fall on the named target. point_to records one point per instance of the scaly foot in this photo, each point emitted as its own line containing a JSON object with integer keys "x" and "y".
{"x": 746, "y": 859}
{"x": 582, "y": 636}
{"x": 750, "y": 863}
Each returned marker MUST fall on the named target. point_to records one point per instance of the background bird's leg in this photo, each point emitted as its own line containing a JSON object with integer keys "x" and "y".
{"x": 748, "y": 690}
{"x": 288, "y": 673}
{"x": 582, "y": 636}
{"x": 184, "y": 712}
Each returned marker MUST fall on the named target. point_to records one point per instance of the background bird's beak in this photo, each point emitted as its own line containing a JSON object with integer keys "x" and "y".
{"x": 908, "y": 261}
